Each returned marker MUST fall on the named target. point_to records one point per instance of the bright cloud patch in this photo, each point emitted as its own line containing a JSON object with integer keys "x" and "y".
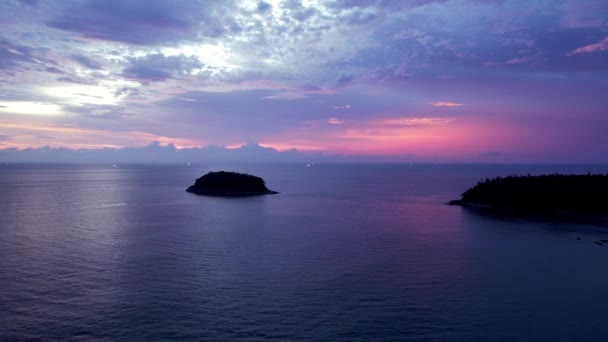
{"x": 342, "y": 107}
{"x": 447, "y": 104}
{"x": 335, "y": 121}
{"x": 30, "y": 108}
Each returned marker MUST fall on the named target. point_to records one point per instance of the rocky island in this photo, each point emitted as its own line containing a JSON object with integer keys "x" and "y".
{"x": 544, "y": 194}
{"x": 234, "y": 184}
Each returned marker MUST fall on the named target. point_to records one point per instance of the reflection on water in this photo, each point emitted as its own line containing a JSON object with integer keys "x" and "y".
{"x": 345, "y": 252}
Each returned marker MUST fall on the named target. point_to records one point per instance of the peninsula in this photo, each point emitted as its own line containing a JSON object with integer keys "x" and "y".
{"x": 556, "y": 193}
{"x": 229, "y": 184}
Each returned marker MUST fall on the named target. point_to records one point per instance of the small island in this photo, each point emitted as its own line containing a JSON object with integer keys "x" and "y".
{"x": 545, "y": 194}
{"x": 229, "y": 184}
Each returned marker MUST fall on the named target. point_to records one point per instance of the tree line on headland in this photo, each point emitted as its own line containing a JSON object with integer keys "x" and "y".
{"x": 555, "y": 192}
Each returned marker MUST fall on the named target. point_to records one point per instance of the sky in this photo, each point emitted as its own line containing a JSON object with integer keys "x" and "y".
{"x": 426, "y": 80}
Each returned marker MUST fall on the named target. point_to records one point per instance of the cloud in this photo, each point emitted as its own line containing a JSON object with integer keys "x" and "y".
{"x": 420, "y": 121}
{"x": 299, "y": 92}
{"x": 304, "y": 14}
{"x": 30, "y": 108}
{"x": 447, "y": 104}
{"x": 98, "y": 111}
{"x": 210, "y": 67}
{"x": 380, "y": 4}
{"x": 77, "y": 80}
{"x": 344, "y": 79}
{"x": 54, "y": 70}
{"x": 263, "y": 6}
{"x": 158, "y": 67}
{"x": 361, "y": 17}
{"x": 32, "y": 3}
{"x": 600, "y": 46}
{"x": 522, "y": 59}
{"x": 137, "y": 22}
{"x": 12, "y": 55}
{"x": 146, "y": 73}
{"x": 58, "y": 135}
{"x": 406, "y": 34}
{"x": 579, "y": 14}
{"x": 187, "y": 99}
{"x": 335, "y": 121}
{"x": 86, "y": 62}
{"x": 342, "y": 107}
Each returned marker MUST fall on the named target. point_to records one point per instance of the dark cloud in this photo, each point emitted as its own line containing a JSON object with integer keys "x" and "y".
{"x": 93, "y": 111}
{"x": 305, "y": 13}
{"x": 76, "y": 80}
{"x": 359, "y": 17}
{"x": 292, "y": 4}
{"x": 146, "y": 73}
{"x": 299, "y": 12}
{"x": 11, "y": 55}
{"x": 380, "y": 4}
{"x": 86, "y": 62}
{"x": 344, "y": 79}
{"x": 54, "y": 70}
{"x": 148, "y": 22}
{"x": 16, "y": 57}
{"x": 263, "y": 6}
{"x": 126, "y": 91}
{"x": 158, "y": 67}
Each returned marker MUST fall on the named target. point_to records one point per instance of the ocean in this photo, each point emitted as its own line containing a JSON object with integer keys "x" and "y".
{"x": 345, "y": 252}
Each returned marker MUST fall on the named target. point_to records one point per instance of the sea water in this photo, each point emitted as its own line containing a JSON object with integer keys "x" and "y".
{"x": 345, "y": 252}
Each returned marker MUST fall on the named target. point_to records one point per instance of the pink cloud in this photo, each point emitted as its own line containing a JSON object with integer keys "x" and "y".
{"x": 447, "y": 104}
{"x": 522, "y": 59}
{"x": 335, "y": 121}
{"x": 602, "y": 45}
{"x": 516, "y": 60}
{"x": 414, "y": 121}
{"x": 28, "y": 134}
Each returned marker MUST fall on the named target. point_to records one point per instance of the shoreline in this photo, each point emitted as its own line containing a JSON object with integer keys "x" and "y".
{"x": 229, "y": 193}
{"x": 536, "y": 213}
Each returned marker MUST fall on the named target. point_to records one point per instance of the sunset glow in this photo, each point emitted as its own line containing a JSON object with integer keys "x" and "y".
{"x": 433, "y": 80}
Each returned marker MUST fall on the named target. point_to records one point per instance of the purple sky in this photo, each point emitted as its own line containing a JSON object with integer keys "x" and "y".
{"x": 483, "y": 80}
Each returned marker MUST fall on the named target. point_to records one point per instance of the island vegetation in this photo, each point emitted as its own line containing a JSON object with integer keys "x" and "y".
{"x": 224, "y": 183}
{"x": 556, "y": 193}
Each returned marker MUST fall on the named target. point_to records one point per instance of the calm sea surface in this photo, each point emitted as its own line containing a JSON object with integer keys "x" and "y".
{"x": 347, "y": 252}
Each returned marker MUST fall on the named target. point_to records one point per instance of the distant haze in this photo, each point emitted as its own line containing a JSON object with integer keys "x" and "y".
{"x": 156, "y": 153}
{"x": 247, "y": 153}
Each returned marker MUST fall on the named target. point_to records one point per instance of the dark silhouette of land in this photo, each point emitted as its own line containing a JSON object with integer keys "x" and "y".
{"x": 577, "y": 194}
{"x": 224, "y": 183}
